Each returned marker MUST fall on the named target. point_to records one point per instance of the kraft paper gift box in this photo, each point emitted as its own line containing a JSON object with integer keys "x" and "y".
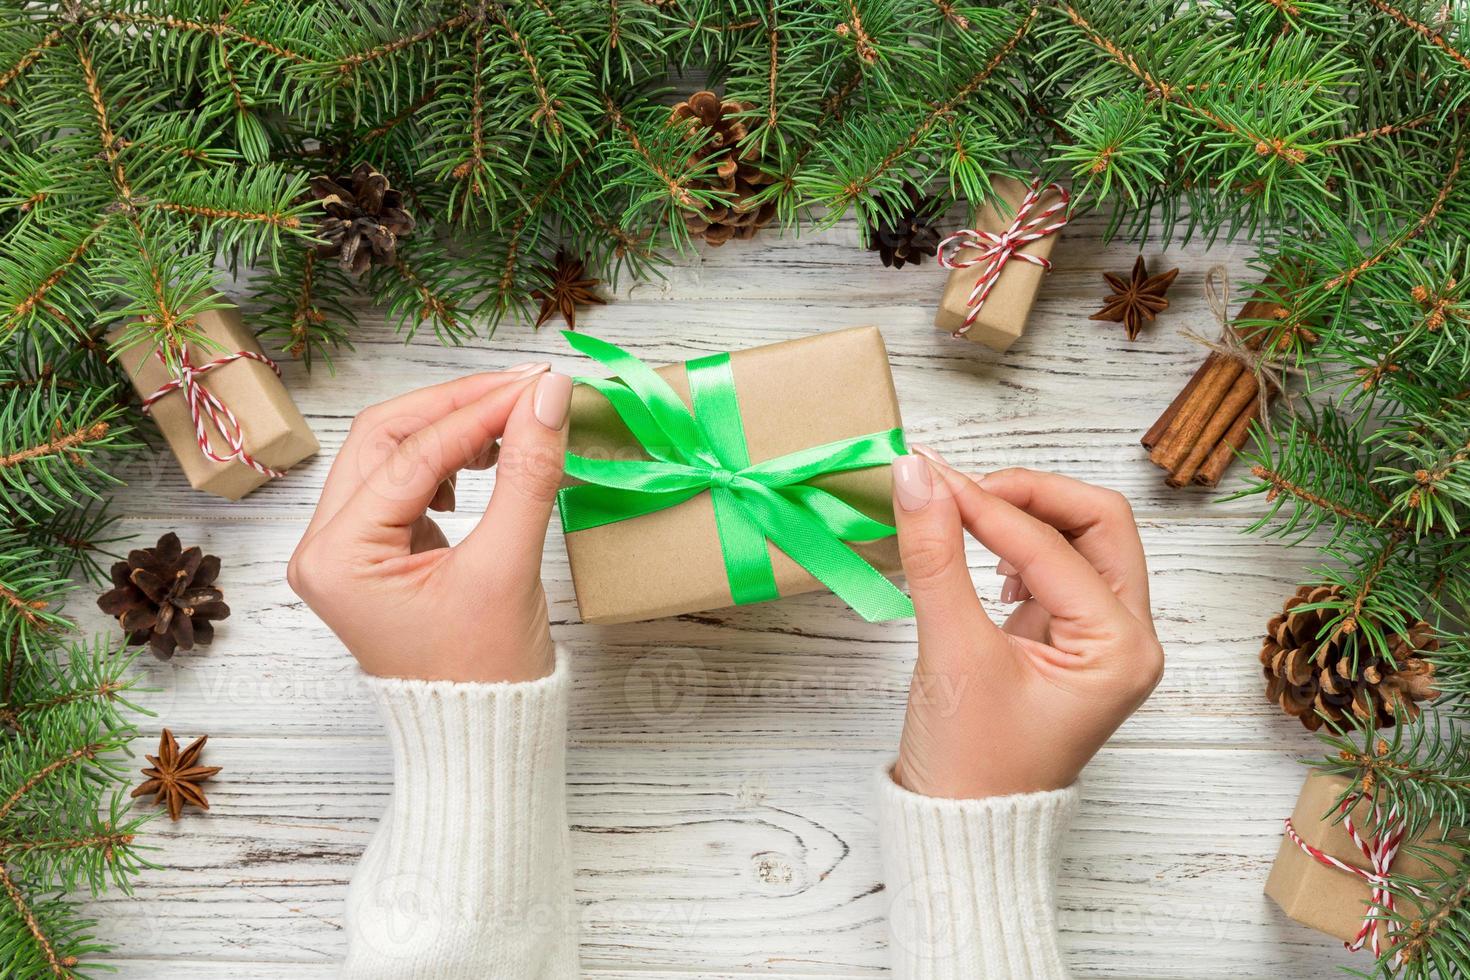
{"x": 274, "y": 431}
{"x": 1002, "y": 319}
{"x": 793, "y": 395}
{"x": 1323, "y": 897}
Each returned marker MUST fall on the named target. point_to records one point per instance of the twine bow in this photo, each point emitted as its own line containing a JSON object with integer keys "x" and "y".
{"x": 995, "y": 250}
{"x": 704, "y": 451}
{"x": 204, "y": 404}
{"x": 1270, "y": 374}
{"x": 1380, "y": 852}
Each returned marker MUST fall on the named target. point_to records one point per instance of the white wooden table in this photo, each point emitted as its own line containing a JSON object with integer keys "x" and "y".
{"x": 720, "y": 764}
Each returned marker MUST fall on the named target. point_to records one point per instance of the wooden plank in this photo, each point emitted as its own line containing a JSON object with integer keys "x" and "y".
{"x": 708, "y": 858}
{"x": 804, "y": 670}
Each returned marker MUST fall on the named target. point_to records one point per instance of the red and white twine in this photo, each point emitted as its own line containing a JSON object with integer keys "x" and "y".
{"x": 1379, "y": 851}
{"x": 204, "y": 404}
{"x": 995, "y": 250}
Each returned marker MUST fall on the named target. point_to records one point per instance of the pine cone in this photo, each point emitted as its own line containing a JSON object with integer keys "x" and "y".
{"x": 1312, "y": 676}
{"x": 712, "y": 127}
{"x": 362, "y": 219}
{"x": 912, "y": 236}
{"x": 165, "y": 596}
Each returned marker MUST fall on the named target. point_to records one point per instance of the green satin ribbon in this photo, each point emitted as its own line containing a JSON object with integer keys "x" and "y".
{"x": 705, "y": 451}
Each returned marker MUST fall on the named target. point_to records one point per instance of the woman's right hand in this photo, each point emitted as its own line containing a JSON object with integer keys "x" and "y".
{"x": 378, "y": 570}
{"x": 1021, "y": 708}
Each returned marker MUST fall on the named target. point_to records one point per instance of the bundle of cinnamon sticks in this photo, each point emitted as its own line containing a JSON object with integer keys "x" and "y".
{"x": 1198, "y": 435}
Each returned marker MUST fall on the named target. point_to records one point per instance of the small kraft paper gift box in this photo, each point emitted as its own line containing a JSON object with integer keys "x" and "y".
{"x": 1313, "y": 878}
{"x": 229, "y": 397}
{"x": 998, "y": 264}
{"x": 734, "y": 478}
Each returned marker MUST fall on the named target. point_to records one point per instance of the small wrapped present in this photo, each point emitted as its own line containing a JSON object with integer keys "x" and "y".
{"x": 733, "y": 479}
{"x": 997, "y": 266}
{"x": 1328, "y": 872}
{"x": 222, "y": 408}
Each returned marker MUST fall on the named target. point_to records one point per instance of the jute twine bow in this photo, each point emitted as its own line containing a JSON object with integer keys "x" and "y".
{"x": 204, "y": 404}
{"x": 995, "y": 250}
{"x": 1270, "y": 373}
{"x": 1379, "y": 851}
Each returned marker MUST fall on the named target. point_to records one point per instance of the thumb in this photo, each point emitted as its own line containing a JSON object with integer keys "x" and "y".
{"x": 931, "y": 544}
{"x": 512, "y": 532}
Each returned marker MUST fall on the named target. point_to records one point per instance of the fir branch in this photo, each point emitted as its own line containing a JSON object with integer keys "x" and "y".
{"x": 1430, "y": 35}
{"x": 353, "y": 62}
{"x": 1414, "y": 230}
{"x": 858, "y": 187}
{"x": 547, "y": 110}
{"x": 217, "y": 29}
{"x": 29, "y": 58}
{"x": 276, "y": 219}
{"x": 678, "y": 190}
{"x": 34, "y": 298}
{"x": 60, "y": 966}
{"x": 1265, "y": 145}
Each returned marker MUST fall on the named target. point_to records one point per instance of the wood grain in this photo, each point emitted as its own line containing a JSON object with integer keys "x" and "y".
{"x": 721, "y": 763}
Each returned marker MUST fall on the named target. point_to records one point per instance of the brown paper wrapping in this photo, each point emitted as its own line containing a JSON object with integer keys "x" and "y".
{"x": 793, "y": 395}
{"x": 275, "y": 432}
{"x": 1003, "y": 317}
{"x": 1318, "y": 895}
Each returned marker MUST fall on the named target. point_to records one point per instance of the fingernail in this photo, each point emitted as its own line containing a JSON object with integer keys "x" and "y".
{"x": 530, "y": 367}
{"x": 926, "y": 451}
{"x": 1008, "y": 591}
{"x": 552, "y": 399}
{"x": 911, "y": 482}
{"x": 1004, "y": 567}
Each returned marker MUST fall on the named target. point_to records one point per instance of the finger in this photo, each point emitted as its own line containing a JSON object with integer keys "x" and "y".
{"x": 379, "y": 429}
{"x": 931, "y": 544}
{"x": 398, "y": 492}
{"x": 512, "y": 532}
{"x": 1099, "y": 523}
{"x": 1057, "y": 575}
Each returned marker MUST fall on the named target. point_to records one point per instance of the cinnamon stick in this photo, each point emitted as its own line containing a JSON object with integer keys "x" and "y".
{"x": 1224, "y": 454}
{"x": 1184, "y": 438}
{"x": 1155, "y": 433}
{"x": 1241, "y": 394}
{"x": 1182, "y": 434}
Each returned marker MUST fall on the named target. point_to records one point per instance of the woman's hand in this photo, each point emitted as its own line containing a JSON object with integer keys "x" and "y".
{"x": 995, "y": 711}
{"x": 380, "y": 573}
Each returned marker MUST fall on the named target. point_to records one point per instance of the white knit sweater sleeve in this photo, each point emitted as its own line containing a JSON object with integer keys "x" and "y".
{"x": 971, "y": 883}
{"x": 468, "y": 874}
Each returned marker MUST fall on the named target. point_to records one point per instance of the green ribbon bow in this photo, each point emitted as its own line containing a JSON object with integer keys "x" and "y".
{"x": 705, "y": 451}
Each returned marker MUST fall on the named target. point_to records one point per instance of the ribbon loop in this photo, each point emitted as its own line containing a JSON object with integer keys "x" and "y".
{"x": 204, "y": 404}
{"x": 704, "y": 450}
{"x": 996, "y": 249}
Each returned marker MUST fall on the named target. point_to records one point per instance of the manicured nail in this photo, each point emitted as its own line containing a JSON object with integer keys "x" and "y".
{"x": 552, "y": 399}
{"x": 911, "y": 482}
{"x": 1009, "y": 589}
{"x": 1004, "y": 567}
{"x": 530, "y": 367}
{"x": 926, "y": 451}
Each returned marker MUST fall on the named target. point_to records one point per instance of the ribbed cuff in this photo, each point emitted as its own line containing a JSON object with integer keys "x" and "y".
{"x": 972, "y": 883}
{"x": 469, "y": 873}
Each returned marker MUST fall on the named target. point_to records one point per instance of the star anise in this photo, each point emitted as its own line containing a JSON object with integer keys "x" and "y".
{"x": 570, "y": 288}
{"x": 174, "y": 777}
{"x": 1137, "y": 299}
